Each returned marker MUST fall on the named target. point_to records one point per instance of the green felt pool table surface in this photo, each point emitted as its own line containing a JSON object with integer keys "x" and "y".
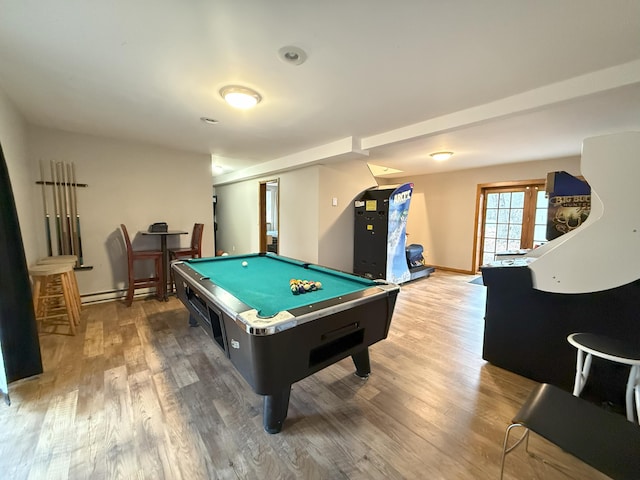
{"x": 263, "y": 284}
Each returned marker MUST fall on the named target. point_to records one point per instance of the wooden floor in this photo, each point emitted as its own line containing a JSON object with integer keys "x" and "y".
{"x": 139, "y": 394}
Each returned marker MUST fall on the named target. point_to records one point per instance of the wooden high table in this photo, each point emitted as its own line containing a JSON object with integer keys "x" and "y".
{"x": 165, "y": 253}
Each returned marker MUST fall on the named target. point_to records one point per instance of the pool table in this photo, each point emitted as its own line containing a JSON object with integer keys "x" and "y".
{"x": 275, "y": 338}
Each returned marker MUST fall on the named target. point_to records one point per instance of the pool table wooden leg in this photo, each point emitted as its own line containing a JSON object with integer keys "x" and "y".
{"x": 275, "y": 410}
{"x": 361, "y": 361}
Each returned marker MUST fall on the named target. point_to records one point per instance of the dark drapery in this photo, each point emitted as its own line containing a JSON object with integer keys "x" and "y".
{"x": 19, "y": 345}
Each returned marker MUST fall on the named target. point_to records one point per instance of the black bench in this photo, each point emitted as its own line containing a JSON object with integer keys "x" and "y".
{"x": 607, "y": 441}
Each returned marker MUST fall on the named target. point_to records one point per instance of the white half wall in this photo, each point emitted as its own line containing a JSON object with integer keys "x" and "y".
{"x": 342, "y": 182}
{"x": 130, "y": 183}
{"x": 603, "y": 253}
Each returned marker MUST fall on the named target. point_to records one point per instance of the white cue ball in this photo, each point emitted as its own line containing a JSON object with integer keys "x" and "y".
{"x": 244, "y": 264}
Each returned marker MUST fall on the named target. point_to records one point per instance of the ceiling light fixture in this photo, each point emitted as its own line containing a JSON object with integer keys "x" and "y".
{"x": 440, "y": 156}
{"x": 240, "y": 97}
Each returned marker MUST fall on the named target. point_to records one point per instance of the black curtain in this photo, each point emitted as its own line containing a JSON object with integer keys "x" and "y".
{"x": 18, "y": 329}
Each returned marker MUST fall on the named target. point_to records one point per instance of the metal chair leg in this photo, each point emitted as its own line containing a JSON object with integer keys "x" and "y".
{"x": 583, "y": 365}
{"x": 506, "y": 449}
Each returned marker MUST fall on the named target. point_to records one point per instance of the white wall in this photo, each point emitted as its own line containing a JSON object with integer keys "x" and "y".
{"x": 310, "y": 227}
{"x": 13, "y": 138}
{"x": 130, "y": 183}
{"x": 343, "y": 181}
{"x": 298, "y": 234}
{"x": 441, "y": 216}
{"x": 442, "y": 212}
{"x": 238, "y": 216}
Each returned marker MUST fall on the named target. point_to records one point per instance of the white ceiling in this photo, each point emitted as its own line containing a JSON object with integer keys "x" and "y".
{"x": 494, "y": 81}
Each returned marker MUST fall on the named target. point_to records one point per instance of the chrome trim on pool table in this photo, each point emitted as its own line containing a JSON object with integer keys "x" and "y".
{"x": 246, "y": 317}
{"x": 251, "y": 320}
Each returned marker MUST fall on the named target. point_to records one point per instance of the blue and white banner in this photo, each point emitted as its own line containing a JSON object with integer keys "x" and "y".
{"x": 397, "y": 268}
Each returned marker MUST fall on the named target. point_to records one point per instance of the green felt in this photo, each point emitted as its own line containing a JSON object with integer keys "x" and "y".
{"x": 264, "y": 283}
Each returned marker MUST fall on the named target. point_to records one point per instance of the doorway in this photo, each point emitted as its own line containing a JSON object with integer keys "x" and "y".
{"x": 269, "y": 215}
{"x": 510, "y": 217}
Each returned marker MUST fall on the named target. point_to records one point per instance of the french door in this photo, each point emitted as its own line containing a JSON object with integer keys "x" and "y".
{"x": 513, "y": 217}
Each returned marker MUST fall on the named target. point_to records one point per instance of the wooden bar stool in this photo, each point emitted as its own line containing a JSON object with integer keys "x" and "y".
{"x": 157, "y": 256}
{"x": 589, "y": 344}
{"x": 71, "y": 260}
{"x": 53, "y": 295}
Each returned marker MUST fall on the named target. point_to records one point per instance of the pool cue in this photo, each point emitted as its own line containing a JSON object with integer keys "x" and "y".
{"x": 57, "y": 209}
{"x": 47, "y": 224}
{"x": 63, "y": 208}
{"x": 75, "y": 197}
{"x": 72, "y": 212}
{"x": 67, "y": 212}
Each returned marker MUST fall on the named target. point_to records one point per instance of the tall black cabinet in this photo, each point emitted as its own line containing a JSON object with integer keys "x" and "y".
{"x": 370, "y": 233}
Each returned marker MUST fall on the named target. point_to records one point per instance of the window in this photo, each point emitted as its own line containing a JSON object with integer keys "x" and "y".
{"x": 512, "y": 218}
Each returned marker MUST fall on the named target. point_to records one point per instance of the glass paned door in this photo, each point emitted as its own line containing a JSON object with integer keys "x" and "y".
{"x": 541, "y": 219}
{"x": 514, "y": 218}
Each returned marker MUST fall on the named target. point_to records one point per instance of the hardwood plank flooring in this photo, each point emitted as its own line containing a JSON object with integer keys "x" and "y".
{"x": 137, "y": 393}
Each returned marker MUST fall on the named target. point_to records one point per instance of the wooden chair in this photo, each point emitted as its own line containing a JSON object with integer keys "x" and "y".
{"x": 134, "y": 255}
{"x": 195, "y": 250}
{"x": 605, "y": 440}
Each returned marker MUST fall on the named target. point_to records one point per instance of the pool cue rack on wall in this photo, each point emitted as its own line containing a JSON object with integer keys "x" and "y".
{"x": 66, "y": 233}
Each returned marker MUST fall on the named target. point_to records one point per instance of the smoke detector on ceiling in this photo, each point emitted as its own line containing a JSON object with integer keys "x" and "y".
{"x": 292, "y": 55}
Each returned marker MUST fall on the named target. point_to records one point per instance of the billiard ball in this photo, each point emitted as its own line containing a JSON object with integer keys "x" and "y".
{"x": 244, "y": 264}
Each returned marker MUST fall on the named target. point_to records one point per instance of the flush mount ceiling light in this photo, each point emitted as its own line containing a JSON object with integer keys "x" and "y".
{"x": 292, "y": 55}
{"x": 240, "y": 97}
{"x": 440, "y": 156}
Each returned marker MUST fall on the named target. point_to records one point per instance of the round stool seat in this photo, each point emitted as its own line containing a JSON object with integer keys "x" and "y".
{"x": 54, "y": 292}
{"x": 605, "y": 347}
{"x": 69, "y": 260}
{"x": 51, "y": 269}
{"x": 590, "y": 345}
{"x": 58, "y": 259}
